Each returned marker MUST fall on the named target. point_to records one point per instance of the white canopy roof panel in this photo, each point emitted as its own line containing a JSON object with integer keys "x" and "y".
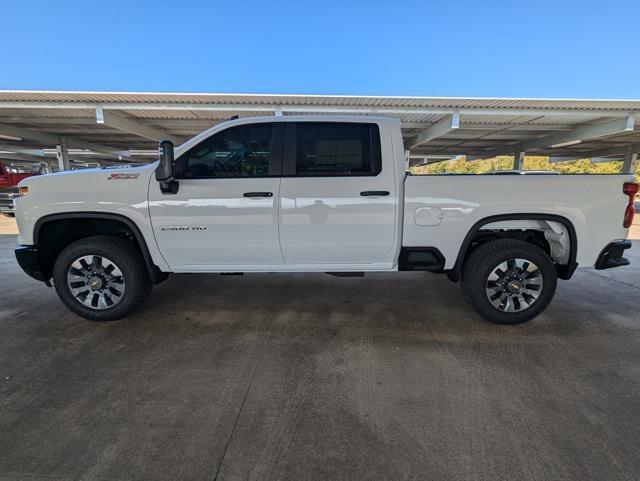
{"x": 129, "y": 124}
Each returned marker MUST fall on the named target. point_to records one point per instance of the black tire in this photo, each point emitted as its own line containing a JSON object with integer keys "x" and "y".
{"x": 128, "y": 260}
{"x": 484, "y": 261}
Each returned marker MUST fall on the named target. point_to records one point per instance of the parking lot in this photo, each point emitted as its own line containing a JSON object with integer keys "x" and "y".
{"x": 309, "y": 377}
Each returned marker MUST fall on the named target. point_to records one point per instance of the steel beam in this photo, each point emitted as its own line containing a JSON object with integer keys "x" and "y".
{"x": 20, "y": 152}
{"x": 51, "y": 140}
{"x": 593, "y": 158}
{"x": 23, "y": 157}
{"x": 45, "y": 138}
{"x": 296, "y": 108}
{"x": 616, "y": 150}
{"x": 480, "y": 156}
{"x": 204, "y": 123}
{"x": 573, "y": 137}
{"x": 417, "y": 160}
{"x": 21, "y": 149}
{"x": 118, "y": 121}
{"x": 581, "y": 134}
{"x": 442, "y": 127}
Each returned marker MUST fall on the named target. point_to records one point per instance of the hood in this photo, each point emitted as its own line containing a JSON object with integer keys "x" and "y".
{"x": 89, "y": 177}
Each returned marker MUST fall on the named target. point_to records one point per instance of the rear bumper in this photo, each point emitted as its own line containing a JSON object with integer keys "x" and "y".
{"x": 611, "y": 256}
{"x": 27, "y": 257}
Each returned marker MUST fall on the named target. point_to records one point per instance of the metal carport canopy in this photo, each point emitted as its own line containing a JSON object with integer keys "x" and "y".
{"x": 126, "y": 126}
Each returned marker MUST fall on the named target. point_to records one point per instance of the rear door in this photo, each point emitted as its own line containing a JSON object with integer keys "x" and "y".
{"x": 338, "y": 201}
{"x": 225, "y": 211}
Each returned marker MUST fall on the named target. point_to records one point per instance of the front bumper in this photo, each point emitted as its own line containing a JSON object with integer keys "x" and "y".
{"x": 611, "y": 256}
{"x": 27, "y": 257}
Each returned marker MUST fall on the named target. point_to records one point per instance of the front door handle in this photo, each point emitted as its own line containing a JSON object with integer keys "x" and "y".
{"x": 258, "y": 194}
{"x": 367, "y": 193}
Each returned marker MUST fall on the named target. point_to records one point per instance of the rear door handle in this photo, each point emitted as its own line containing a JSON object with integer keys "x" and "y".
{"x": 368, "y": 193}
{"x": 258, "y": 194}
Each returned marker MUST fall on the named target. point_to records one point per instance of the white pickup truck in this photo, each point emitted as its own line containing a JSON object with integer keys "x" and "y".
{"x": 315, "y": 194}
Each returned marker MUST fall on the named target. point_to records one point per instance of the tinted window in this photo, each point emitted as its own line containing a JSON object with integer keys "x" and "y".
{"x": 242, "y": 151}
{"x": 337, "y": 149}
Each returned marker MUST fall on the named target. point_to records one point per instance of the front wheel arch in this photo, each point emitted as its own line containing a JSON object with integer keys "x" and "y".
{"x": 52, "y": 233}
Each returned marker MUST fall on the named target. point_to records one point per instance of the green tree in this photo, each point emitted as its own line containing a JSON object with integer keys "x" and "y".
{"x": 461, "y": 166}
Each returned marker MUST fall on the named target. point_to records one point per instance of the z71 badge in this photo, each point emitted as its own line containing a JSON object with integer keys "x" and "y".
{"x": 122, "y": 176}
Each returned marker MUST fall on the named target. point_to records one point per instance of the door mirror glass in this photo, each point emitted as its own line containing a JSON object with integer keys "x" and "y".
{"x": 165, "y": 167}
{"x": 164, "y": 171}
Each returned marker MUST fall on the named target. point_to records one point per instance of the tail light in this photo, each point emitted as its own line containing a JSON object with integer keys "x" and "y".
{"x": 630, "y": 189}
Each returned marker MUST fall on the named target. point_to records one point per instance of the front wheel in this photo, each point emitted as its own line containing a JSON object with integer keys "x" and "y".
{"x": 101, "y": 278}
{"x": 509, "y": 281}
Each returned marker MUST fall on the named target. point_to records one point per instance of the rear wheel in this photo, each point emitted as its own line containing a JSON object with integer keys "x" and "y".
{"x": 509, "y": 281}
{"x": 101, "y": 278}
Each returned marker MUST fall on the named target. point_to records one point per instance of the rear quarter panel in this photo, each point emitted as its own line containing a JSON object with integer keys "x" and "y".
{"x": 594, "y": 204}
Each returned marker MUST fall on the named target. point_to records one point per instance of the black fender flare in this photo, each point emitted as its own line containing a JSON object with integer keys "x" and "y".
{"x": 564, "y": 271}
{"x": 154, "y": 271}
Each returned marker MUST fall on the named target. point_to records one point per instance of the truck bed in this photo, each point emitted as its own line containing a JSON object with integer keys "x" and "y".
{"x": 441, "y": 209}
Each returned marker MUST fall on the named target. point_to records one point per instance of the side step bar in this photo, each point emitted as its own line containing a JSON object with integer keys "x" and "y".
{"x": 346, "y": 274}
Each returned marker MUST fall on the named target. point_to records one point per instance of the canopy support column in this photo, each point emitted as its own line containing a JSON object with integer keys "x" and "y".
{"x": 63, "y": 156}
{"x": 518, "y": 159}
{"x": 630, "y": 158}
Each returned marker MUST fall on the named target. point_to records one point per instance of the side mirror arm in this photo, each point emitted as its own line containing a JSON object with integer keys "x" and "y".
{"x": 169, "y": 186}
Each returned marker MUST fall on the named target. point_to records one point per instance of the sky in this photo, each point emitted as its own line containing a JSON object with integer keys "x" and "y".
{"x": 543, "y": 48}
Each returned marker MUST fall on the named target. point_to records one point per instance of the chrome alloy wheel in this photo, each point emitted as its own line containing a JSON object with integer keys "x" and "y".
{"x": 514, "y": 285}
{"x": 96, "y": 282}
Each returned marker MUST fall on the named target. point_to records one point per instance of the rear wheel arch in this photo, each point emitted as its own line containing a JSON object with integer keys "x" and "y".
{"x": 565, "y": 271}
{"x": 54, "y": 232}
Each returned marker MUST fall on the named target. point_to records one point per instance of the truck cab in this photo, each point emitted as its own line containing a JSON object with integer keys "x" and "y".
{"x": 278, "y": 195}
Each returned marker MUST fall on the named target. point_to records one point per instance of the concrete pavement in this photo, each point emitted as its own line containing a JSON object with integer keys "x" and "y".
{"x": 311, "y": 377}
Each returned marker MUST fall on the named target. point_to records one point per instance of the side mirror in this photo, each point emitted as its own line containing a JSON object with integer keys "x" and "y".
{"x": 164, "y": 171}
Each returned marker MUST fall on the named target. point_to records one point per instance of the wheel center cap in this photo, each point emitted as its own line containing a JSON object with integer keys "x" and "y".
{"x": 95, "y": 283}
{"x": 515, "y": 286}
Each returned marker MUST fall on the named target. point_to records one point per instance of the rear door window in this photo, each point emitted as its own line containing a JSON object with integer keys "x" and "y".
{"x": 330, "y": 149}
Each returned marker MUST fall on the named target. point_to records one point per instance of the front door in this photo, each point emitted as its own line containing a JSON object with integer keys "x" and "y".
{"x": 338, "y": 205}
{"x": 225, "y": 212}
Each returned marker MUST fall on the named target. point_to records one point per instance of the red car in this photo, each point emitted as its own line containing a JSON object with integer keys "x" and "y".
{"x": 9, "y": 179}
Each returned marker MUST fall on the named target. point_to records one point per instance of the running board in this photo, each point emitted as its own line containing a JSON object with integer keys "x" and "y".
{"x": 346, "y": 274}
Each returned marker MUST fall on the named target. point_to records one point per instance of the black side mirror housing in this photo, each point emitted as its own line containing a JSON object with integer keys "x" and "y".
{"x": 166, "y": 167}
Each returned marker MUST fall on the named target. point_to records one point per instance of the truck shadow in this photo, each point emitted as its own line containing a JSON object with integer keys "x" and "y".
{"x": 410, "y": 302}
